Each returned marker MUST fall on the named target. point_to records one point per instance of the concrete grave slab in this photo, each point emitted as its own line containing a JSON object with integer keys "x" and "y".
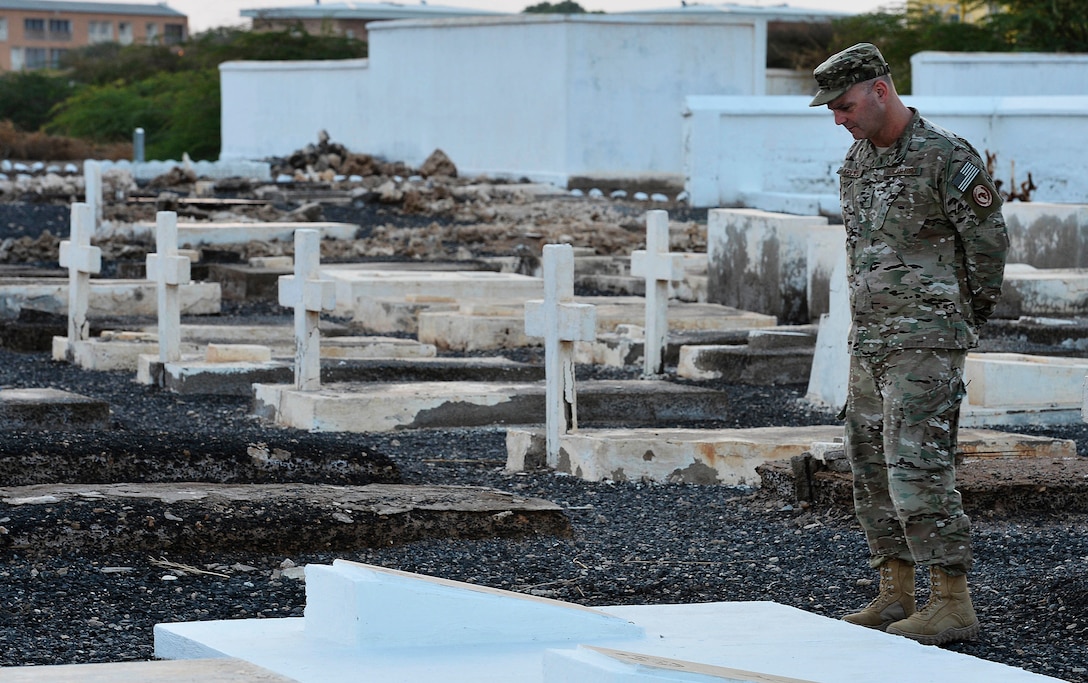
{"x": 264, "y": 518}
{"x": 471, "y": 634}
{"x": 106, "y": 297}
{"x": 472, "y": 327}
{"x": 236, "y": 378}
{"x": 728, "y": 457}
{"x": 52, "y": 409}
{"x": 381, "y": 407}
{"x": 1017, "y": 476}
{"x": 1037, "y": 292}
{"x": 355, "y": 284}
{"x": 1021, "y": 389}
{"x": 199, "y": 234}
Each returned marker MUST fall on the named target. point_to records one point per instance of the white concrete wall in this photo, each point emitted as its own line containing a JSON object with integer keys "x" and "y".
{"x": 273, "y": 108}
{"x": 779, "y": 154}
{"x": 995, "y": 74}
{"x": 548, "y": 97}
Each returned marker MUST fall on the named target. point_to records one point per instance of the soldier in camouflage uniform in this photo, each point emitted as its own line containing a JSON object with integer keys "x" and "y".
{"x": 926, "y": 247}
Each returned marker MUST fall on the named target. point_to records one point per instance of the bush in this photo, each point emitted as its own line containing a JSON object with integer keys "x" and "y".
{"x": 26, "y": 97}
{"x": 37, "y": 146}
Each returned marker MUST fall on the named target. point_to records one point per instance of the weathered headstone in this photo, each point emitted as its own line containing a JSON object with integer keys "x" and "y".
{"x": 82, "y": 260}
{"x": 659, "y": 267}
{"x": 827, "y": 383}
{"x": 169, "y": 270}
{"x": 308, "y": 295}
{"x": 561, "y": 322}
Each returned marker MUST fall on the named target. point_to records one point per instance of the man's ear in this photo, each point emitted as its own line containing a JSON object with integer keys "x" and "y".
{"x": 880, "y": 88}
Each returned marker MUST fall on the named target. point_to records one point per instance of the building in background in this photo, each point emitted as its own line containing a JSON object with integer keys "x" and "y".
{"x": 349, "y": 19}
{"x": 966, "y": 11}
{"x": 34, "y": 34}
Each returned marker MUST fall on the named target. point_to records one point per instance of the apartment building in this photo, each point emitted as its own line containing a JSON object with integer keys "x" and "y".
{"x": 34, "y": 34}
{"x": 964, "y": 11}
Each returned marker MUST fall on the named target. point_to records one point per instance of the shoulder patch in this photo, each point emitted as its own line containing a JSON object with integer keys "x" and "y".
{"x": 977, "y": 191}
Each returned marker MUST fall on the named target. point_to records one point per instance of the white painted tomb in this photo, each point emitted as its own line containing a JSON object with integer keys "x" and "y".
{"x": 610, "y": 67}
{"x": 364, "y": 622}
{"x": 1011, "y": 74}
{"x": 779, "y": 154}
{"x": 761, "y": 261}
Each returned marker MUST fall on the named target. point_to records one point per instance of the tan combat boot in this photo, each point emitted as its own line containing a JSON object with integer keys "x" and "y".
{"x": 948, "y": 616}
{"x": 896, "y": 598}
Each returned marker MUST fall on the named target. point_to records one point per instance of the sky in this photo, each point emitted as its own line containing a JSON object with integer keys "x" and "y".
{"x": 206, "y": 14}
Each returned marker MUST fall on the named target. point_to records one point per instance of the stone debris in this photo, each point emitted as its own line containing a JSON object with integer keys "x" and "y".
{"x": 426, "y": 213}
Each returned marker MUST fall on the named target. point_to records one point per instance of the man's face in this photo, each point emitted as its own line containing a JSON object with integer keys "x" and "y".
{"x": 859, "y": 110}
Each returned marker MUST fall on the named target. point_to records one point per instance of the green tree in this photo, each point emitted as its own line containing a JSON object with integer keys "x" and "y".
{"x": 564, "y": 7}
{"x": 901, "y": 35}
{"x": 173, "y": 92}
{"x": 26, "y": 97}
{"x": 1042, "y": 25}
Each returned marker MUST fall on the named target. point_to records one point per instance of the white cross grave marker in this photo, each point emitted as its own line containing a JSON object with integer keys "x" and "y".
{"x": 308, "y": 295}
{"x": 92, "y": 189}
{"x": 82, "y": 260}
{"x": 561, "y": 322}
{"x": 659, "y": 267}
{"x": 169, "y": 271}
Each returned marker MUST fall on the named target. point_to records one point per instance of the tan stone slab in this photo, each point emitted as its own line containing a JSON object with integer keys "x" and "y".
{"x": 729, "y": 456}
{"x": 179, "y": 671}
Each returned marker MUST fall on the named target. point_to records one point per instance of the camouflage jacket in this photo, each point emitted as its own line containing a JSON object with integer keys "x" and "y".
{"x": 925, "y": 241}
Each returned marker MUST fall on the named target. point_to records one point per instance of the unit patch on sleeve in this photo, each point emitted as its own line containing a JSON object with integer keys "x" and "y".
{"x": 976, "y": 189}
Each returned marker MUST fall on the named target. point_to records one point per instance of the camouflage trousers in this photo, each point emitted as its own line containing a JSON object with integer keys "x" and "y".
{"x": 902, "y": 415}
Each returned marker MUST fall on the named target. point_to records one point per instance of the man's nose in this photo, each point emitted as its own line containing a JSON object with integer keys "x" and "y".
{"x": 840, "y": 118}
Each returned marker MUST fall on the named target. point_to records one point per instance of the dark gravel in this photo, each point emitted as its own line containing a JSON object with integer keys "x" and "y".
{"x": 633, "y": 543}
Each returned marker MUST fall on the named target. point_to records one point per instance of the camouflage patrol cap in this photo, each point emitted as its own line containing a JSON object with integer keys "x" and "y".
{"x": 841, "y": 70}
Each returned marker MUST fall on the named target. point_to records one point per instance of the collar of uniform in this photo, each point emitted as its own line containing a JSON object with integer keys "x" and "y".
{"x": 898, "y": 151}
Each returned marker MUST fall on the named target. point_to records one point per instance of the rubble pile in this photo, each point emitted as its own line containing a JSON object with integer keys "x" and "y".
{"x": 426, "y": 213}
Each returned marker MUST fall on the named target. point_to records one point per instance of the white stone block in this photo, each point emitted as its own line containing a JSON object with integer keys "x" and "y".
{"x": 232, "y": 353}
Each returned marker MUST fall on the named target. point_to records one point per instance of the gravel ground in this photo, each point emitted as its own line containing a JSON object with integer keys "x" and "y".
{"x": 632, "y": 542}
